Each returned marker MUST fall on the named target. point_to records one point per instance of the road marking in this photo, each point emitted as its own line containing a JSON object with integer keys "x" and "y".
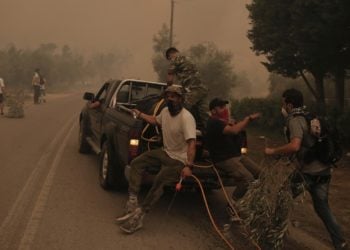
{"x": 19, "y": 207}
{"x": 34, "y": 221}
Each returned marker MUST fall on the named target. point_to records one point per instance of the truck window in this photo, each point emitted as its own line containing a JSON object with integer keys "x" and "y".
{"x": 138, "y": 91}
{"x": 123, "y": 94}
{"x": 102, "y": 94}
{"x": 154, "y": 90}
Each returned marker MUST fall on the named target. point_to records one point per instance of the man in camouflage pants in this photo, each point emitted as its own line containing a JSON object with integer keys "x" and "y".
{"x": 196, "y": 93}
{"x": 174, "y": 159}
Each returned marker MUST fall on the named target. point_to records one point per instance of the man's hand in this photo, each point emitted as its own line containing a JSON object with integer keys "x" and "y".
{"x": 186, "y": 171}
{"x": 254, "y": 116}
{"x": 269, "y": 151}
{"x": 136, "y": 112}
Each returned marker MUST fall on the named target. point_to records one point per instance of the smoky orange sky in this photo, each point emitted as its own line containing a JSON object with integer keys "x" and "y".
{"x": 129, "y": 25}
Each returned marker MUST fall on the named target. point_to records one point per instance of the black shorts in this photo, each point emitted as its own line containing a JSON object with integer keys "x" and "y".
{"x": 1, "y": 98}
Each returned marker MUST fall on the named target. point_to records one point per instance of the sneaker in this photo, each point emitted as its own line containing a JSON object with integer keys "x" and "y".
{"x": 130, "y": 208}
{"x": 233, "y": 216}
{"x": 134, "y": 223}
{"x": 343, "y": 246}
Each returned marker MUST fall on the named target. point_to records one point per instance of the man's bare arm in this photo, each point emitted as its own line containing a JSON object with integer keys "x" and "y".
{"x": 292, "y": 147}
{"x": 238, "y": 127}
{"x": 191, "y": 153}
{"x": 148, "y": 118}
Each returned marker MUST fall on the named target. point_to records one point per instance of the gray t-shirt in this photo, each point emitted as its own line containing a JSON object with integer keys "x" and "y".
{"x": 176, "y": 131}
{"x": 298, "y": 128}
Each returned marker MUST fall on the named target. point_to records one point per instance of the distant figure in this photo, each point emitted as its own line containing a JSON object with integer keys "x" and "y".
{"x": 188, "y": 76}
{"x": 36, "y": 85}
{"x": 42, "y": 89}
{"x": 2, "y": 93}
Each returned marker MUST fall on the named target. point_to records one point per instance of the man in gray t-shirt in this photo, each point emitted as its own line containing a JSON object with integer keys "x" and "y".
{"x": 174, "y": 159}
{"x": 314, "y": 176}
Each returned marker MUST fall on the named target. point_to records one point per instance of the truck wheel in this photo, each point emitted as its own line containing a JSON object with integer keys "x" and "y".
{"x": 84, "y": 146}
{"x": 110, "y": 174}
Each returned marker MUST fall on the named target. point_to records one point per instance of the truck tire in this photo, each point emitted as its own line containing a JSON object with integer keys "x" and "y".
{"x": 84, "y": 146}
{"x": 110, "y": 175}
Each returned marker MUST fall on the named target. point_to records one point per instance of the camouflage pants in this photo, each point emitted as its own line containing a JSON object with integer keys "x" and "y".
{"x": 196, "y": 101}
{"x": 243, "y": 171}
{"x": 170, "y": 171}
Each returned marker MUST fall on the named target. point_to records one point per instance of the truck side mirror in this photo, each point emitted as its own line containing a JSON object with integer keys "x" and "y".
{"x": 88, "y": 96}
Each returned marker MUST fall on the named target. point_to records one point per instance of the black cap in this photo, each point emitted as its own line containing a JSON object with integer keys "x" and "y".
{"x": 217, "y": 102}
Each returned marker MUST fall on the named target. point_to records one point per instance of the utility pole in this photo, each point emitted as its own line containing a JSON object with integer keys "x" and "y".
{"x": 171, "y": 23}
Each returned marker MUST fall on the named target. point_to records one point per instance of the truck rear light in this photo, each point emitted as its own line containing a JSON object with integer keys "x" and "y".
{"x": 244, "y": 142}
{"x": 133, "y": 144}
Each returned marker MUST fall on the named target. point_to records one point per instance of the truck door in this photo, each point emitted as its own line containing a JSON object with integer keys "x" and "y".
{"x": 97, "y": 112}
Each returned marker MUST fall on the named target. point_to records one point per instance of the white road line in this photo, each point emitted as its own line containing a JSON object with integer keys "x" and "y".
{"x": 20, "y": 205}
{"x": 34, "y": 221}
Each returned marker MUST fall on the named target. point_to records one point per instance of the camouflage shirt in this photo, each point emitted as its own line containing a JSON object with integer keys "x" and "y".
{"x": 186, "y": 72}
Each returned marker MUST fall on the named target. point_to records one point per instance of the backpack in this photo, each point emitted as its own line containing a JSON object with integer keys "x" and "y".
{"x": 327, "y": 147}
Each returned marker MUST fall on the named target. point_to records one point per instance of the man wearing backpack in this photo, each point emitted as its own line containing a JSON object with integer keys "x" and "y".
{"x": 314, "y": 176}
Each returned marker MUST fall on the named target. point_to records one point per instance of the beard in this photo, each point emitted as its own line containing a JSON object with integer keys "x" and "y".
{"x": 173, "y": 108}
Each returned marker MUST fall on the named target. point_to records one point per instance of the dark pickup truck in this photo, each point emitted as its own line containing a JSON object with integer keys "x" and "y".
{"x": 109, "y": 128}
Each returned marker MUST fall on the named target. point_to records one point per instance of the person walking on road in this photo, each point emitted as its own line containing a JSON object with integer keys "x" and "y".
{"x": 175, "y": 159}
{"x": 42, "y": 94}
{"x": 36, "y": 85}
{"x": 2, "y": 96}
{"x": 314, "y": 176}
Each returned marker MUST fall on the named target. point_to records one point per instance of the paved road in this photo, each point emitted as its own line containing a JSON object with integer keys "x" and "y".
{"x": 51, "y": 199}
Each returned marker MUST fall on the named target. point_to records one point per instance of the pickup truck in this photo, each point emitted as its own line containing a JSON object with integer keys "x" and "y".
{"x": 112, "y": 131}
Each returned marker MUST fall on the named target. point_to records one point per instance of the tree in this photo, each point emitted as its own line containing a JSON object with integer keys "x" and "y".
{"x": 160, "y": 44}
{"x": 215, "y": 67}
{"x": 299, "y": 36}
{"x": 59, "y": 66}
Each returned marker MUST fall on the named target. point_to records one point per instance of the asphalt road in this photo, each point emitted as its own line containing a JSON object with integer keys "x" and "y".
{"x": 51, "y": 198}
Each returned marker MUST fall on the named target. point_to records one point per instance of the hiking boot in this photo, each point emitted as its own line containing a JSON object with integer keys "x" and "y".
{"x": 343, "y": 246}
{"x": 130, "y": 208}
{"x": 134, "y": 223}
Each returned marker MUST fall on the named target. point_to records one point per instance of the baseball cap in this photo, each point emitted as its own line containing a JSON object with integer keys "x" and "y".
{"x": 175, "y": 89}
{"x": 217, "y": 102}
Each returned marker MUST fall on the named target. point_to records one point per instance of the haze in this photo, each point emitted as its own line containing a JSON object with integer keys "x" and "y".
{"x": 129, "y": 25}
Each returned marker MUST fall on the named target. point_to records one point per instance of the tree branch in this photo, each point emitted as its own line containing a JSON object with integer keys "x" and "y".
{"x": 308, "y": 84}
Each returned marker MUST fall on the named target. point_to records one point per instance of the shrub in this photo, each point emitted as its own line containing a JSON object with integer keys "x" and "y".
{"x": 270, "y": 109}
